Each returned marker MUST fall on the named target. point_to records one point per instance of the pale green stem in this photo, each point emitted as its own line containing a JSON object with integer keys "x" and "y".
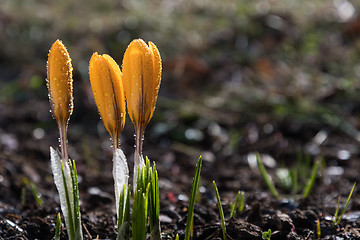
{"x": 138, "y": 159}
{"x": 63, "y": 140}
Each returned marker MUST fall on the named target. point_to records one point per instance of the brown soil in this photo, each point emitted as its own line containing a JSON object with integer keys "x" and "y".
{"x": 24, "y": 160}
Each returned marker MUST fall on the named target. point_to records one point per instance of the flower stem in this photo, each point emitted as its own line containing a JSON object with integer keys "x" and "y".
{"x": 115, "y": 143}
{"x": 138, "y": 144}
{"x": 138, "y": 159}
{"x": 63, "y": 140}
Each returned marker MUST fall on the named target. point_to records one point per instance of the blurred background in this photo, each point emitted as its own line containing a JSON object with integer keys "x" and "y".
{"x": 238, "y": 77}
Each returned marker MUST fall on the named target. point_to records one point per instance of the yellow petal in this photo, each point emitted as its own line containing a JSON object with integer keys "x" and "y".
{"x": 141, "y": 77}
{"x": 157, "y": 67}
{"x": 59, "y": 82}
{"x": 107, "y": 87}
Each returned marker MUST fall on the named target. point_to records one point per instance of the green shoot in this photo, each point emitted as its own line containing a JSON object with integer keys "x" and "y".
{"x": 154, "y": 202}
{"x": 221, "y": 212}
{"x": 140, "y": 206}
{"x": 293, "y": 179}
{"x": 70, "y": 226}
{"x": 58, "y": 227}
{"x": 36, "y": 194}
{"x": 65, "y": 177}
{"x": 74, "y": 179}
{"x": 34, "y": 191}
{"x": 266, "y": 177}
{"x": 266, "y": 235}
{"x": 318, "y": 229}
{"x": 146, "y": 206}
{"x": 72, "y": 201}
{"x": 198, "y": 195}
{"x": 337, "y": 211}
{"x": 242, "y": 202}
{"x": 311, "y": 181}
{"x": 238, "y": 204}
{"x": 124, "y": 215}
{"x": 337, "y": 220}
{"x": 234, "y": 205}
{"x": 195, "y": 184}
{"x": 177, "y": 237}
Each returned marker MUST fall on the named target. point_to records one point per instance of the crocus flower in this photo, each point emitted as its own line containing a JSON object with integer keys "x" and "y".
{"x": 107, "y": 86}
{"x": 60, "y": 85}
{"x": 141, "y": 78}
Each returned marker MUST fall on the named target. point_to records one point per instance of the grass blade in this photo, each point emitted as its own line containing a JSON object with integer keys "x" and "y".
{"x": 77, "y": 217}
{"x": 242, "y": 202}
{"x": 234, "y": 206}
{"x": 154, "y": 204}
{"x": 124, "y": 214}
{"x": 70, "y": 225}
{"x": 221, "y": 212}
{"x": 266, "y": 177}
{"x": 140, "y": 205}
{"x": 311, "y": 181}
{"x": 238, "y": 205}
{"x": 346, "y": 205}
{"x": 58, "y": 227}
{"x": 337, "y": 211}
{"x": 36, "y": 194}
{"x": 189, "y": 221}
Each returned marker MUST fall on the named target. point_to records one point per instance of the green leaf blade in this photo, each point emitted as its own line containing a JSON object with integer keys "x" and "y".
{"x": 196, "y": 180}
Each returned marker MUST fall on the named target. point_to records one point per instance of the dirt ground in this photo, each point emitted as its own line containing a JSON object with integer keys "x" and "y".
{"x": 25, "y": 162}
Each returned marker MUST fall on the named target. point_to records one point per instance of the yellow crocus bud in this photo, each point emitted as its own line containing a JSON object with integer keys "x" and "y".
{"x": 60, "y": 82}
{"x": 107, "y": 86}
{"x": 141, "y": 77}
